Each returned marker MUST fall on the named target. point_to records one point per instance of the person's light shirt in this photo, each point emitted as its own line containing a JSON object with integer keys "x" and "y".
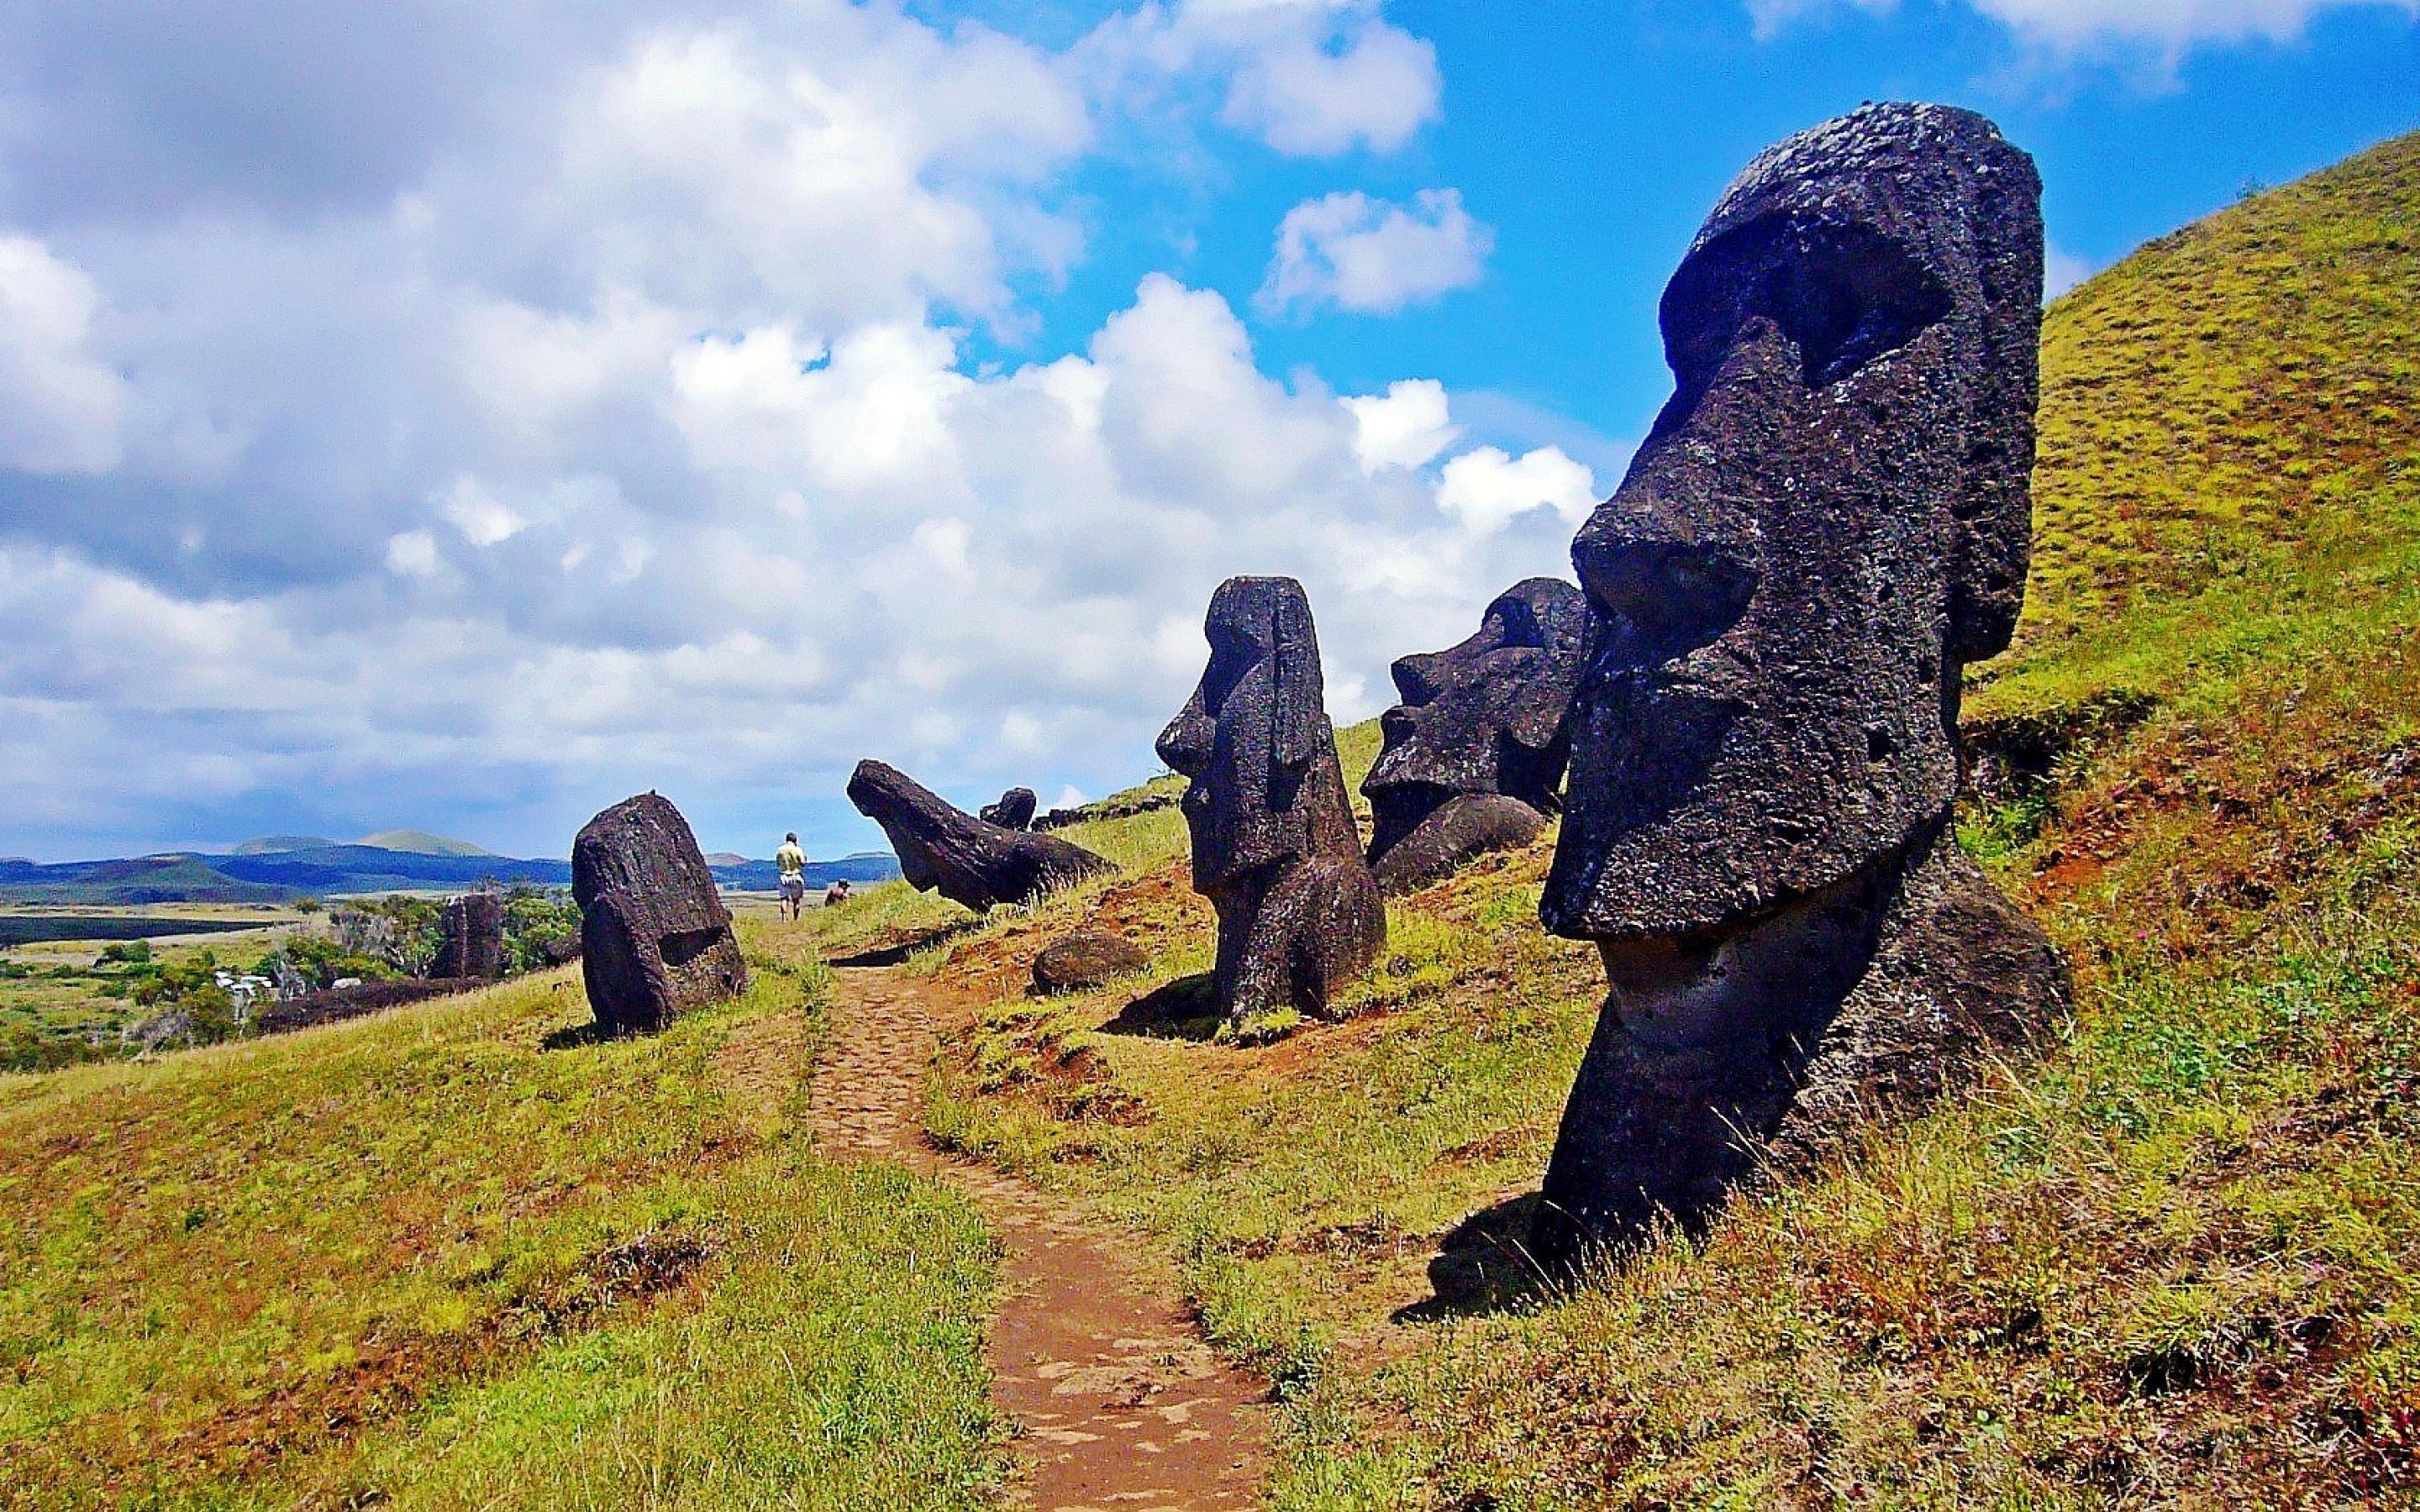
{"x": 790, "y": 859}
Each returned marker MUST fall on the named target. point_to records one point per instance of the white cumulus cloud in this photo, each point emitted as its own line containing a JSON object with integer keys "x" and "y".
{"x": 1406, "y": 426}
{"x": 60, "y": 406}
{"x": 1488, "y": 488}
{"x": 1374, "y": 256}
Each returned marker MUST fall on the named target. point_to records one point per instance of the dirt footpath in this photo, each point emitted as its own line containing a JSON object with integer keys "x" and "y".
{"x": 1121, "y": 1406}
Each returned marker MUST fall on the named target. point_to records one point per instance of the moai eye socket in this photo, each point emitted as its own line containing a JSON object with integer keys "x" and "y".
{"x": 1847, "y": 296}
{"x": 1841, "y": 294}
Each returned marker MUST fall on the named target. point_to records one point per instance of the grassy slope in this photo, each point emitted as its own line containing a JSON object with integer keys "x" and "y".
{"x": 457, "y": 1256}
{"x": 2174, "y": 1259}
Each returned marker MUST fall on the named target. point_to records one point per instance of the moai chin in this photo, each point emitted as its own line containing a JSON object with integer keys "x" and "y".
{"x": 1475, "y": 750}
{"x": 1830, "y": 518}
{"x": 1275, "y": 848}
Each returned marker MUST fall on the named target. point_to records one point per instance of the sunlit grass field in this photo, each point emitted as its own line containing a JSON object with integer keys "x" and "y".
{"x": 460, "y": 1254}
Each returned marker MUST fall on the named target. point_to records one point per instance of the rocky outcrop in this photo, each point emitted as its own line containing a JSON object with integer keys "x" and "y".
{"x": 1475, "y": 750}
{"x": 656, "y": 941}
{"x": 1275, "y": 849}
{"x": 1015, "y": 810}
{"x": 470, "y": 942}
{"x": 1829, "y": 518}
{"x": 948, "y": 851}
{"x": 1085, "y": 960}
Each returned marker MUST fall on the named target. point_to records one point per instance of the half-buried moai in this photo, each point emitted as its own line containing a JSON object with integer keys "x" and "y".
{"x": 1828, "y": 522}
{"x": 951, "y": 852}
{"x": 1475, "y": 752}
{"x": 470, "y": 942}
{"x": 1015, "y": 810}
{"x": 656, "y": 941}
{"x": 1275, "y": 848}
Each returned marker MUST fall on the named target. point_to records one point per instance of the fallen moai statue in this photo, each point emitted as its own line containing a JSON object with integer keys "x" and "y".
{"x": 1475, "y": 751}
{"x": 472, "y": 938}
{"x": 656, "y": 941}
{"x": 1015, "y": 810}
{"x": 1085, "y": 960}
{"x": 1275, "y": 849}
{"x": 1828, "y": 521}
{"x": 951, "y": 852}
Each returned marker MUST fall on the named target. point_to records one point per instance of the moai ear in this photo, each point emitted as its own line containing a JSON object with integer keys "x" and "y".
{"x": 1300, "y": 700}
{"x": 1994, "y": 508}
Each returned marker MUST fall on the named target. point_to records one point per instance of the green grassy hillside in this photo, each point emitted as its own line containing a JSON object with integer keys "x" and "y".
{"x": 459, "y": 1256}
{"x": 2173, "y": 1260}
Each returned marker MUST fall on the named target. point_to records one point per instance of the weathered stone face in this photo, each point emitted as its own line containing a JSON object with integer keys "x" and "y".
{"x": 1827, "y": 520}
{"x": 1275, "y": 848}
{"x": 1015, "y": 810}
{"x": 656, "y": 941}
{"x": 1484, "y": 720}
{"x": 945, "y": 849}
{"x": 473, "y": 941}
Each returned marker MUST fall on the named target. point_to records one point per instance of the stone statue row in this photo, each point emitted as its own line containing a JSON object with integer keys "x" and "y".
{"x": 1745, "y": 712}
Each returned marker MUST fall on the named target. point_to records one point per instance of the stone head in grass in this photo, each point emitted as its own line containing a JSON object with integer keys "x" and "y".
{"x": 655, "y": 940}
{"x": 1829, "y": 519}
{"x": 1275, "y": 848}
{"x": 945, "y": 849}
{"x": 1475, "y": 750}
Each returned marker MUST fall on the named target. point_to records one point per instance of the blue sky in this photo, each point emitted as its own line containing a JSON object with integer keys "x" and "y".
{"x": 457, "y": 416}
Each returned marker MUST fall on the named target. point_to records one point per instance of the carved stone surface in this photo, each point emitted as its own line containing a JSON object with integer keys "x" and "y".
{"x": 946, "y": 850}
{"x": 1085, "y": 960}
{"x": 472, "y": 943}
{"x": 1829, "y": 518}
{"x": 1475, "y": 751}
{"x": 656, "y": 941}
{"x": 1275, "y": 848}
{"x": 1015, "y": 810}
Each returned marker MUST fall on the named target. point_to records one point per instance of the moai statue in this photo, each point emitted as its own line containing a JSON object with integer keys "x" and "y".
{"x": 1275, "y": 849}
{"x": 1475, "y": 751}
{"x": 946, "y": 850}
{"x": 472, "y": 943}
{"x": 1015, "y": 810}
{"x": 656, "y": 941}
{"x": 1830, "y": 518}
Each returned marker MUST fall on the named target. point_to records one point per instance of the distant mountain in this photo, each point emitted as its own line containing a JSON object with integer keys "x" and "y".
{"x": 421, "y": 842}
{"x": 725, "y": 859}
{"x": 271, "y": 870}
{"x": 272, "y": 844}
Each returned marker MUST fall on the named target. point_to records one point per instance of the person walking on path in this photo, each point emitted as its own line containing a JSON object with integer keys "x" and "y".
{"x": 792, "y": 863}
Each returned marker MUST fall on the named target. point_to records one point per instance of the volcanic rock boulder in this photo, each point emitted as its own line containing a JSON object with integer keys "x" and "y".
{"x": 1475, "y": 751}
{"x": 656, "y": 941}
{"x": 1015, "y": 810}
{"x": 1084, "y": 960}
{"x": 1275, "y": 849}
{"x": 472, "y": 941}
{"x": 1828, "y": 522}
{"x": 946, "y": 850}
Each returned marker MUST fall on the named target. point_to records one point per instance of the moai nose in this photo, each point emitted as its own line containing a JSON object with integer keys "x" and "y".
{"x": 1665, "y": 580}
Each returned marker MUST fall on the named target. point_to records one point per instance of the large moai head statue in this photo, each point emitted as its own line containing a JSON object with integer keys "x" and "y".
{"x": 656, "y": 941}
{"x": 1829, "y": 518}
{"x": 1275, "y": 848}
{"x": 1255, "y": 737}
{"x": 1828, "y": 521}
{"x": 1475, "y": 751}
{"x": 968, "y": 860}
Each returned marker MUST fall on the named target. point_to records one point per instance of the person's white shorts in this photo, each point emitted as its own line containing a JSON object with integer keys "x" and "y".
{"x": 793, "y": 888}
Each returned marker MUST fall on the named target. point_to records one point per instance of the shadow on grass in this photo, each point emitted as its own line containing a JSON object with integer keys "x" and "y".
{"x": 892, "y": 955}
{"x": 1484, "y": 1267}
{"x": 1185, "y": 1009}
{"x": 572, "y": 1037}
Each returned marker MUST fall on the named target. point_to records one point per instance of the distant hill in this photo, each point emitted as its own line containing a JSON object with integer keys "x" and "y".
{"x": 278, "y": 868}
{"x": 273, "y": 845}
{"x": 725, "y": 859}
{"x": 421, "y": 842}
